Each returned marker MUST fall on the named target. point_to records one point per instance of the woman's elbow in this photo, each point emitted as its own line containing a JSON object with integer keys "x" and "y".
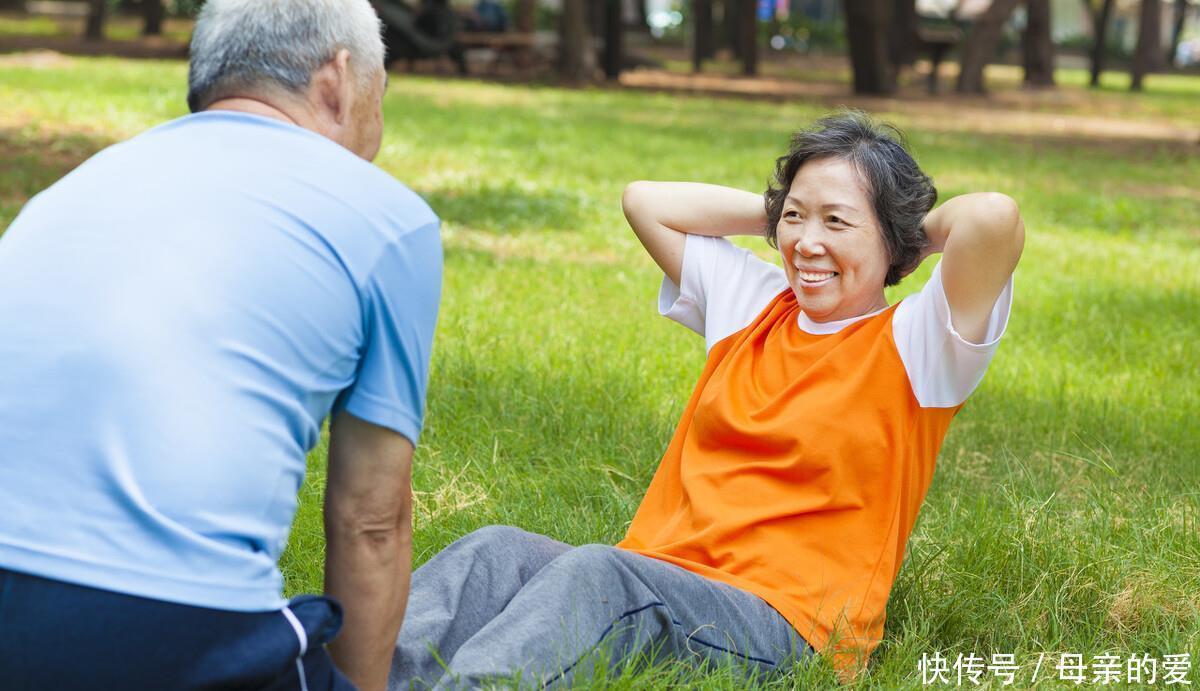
{"x": 1002, "y": 209}
{"x": 634, "y": 196}
{"x": 1005, "y": 222}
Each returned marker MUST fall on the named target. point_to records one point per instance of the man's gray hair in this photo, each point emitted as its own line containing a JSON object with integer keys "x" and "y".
{"x": 242, "y": 45}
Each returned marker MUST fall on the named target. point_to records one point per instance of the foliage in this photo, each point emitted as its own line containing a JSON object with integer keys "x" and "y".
{"x": 804, "y": 34}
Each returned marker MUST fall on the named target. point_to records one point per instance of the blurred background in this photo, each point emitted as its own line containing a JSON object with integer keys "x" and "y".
{"x": 880, "y": 47}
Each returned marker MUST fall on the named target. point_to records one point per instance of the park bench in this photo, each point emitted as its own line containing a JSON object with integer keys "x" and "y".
{"x": 515, "y": 47}
{"x": 937, "y": 40}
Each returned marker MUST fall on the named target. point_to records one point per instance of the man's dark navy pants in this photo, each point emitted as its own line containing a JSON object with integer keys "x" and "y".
{"x": 58, "y": 636}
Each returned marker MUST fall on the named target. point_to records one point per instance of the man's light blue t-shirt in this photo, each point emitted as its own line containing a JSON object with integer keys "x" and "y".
{"x": 177, "y": 318}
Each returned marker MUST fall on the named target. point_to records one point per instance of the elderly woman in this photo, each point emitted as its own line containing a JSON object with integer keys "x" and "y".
{"x": 777, "y": 520}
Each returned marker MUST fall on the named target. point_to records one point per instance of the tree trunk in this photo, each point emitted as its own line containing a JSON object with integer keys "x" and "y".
{"x": 94, "y": 30}
{"x": 732, "y": 18}
{"x": 643, "y": 14}
{"x": 748, "y": 25}
{"x": 1038, "y": 45}
{"x": 702, "y": 38}
{"x": 868, "y": 33}
{"x": 573, "y": 40}
{"x": 904, "y": 34}
{"x": 1100, "y": 42}
{"x": 525, "y": 16}
{"x": 152, "y": 12}
{"x": 595, "y": 16}
{"x": 980, "y": 45}
{"x": 1089, "y": 10}
{"x": 614, "y": 44}
{"x": 1149, "y": 45}
{"x": 1176, "y": 31}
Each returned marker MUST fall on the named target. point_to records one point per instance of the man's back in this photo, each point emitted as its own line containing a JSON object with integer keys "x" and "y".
{"x": 180, "y": 314}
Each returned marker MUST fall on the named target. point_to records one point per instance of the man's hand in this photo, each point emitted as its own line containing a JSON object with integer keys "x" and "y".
{"x": 368, "y": 533}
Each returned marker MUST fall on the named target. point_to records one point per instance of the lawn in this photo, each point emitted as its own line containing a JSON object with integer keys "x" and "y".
{"x": 1065, "y": 513}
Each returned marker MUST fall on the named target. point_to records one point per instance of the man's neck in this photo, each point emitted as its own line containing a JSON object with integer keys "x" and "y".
{"x": 254, "y": 107}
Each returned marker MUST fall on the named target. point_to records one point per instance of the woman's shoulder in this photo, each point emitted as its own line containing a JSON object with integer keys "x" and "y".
{"x": 943, "y": 367}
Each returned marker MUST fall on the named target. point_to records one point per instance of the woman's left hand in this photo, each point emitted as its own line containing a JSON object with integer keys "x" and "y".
{"x": 981, "y": 237}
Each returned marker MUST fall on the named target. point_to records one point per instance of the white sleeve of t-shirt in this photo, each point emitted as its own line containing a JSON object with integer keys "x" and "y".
{"x": 724, "y": 288}
{"x": 942, "y": 366}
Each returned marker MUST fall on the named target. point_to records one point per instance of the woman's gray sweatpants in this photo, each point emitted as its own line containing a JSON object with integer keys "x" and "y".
{"x": 502, "y": 602}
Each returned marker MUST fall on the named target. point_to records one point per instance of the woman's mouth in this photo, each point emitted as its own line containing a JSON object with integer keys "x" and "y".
{"x": 813, "y": 279}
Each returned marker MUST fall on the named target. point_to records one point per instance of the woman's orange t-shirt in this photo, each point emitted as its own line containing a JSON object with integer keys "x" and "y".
{"x": 796, "y": 473}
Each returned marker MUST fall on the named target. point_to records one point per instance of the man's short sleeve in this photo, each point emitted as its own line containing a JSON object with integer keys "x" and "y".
{"x": 400, "y": 306}
{"x": 943, "y": 367}
{"x": 724, "y": 287}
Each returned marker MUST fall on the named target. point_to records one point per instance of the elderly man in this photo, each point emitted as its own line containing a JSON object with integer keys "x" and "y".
{"x": 180, "y": 314}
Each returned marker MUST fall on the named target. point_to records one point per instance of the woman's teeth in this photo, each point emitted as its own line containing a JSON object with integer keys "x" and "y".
{"x": 814, "y": 277}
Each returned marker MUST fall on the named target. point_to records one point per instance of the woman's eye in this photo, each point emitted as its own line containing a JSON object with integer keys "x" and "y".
{"x": 835, "y": 220}
{"x": 791, "y": 214}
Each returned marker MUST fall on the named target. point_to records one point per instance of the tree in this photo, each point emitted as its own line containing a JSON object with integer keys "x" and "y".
{"x": 703, "y": 38}
{"x": 614, "y": 48}
{"x": 903, "y": 48}
{"x": 980, "y": 45}
{"x": 1176, "y": 30}
{"x": 97, "y": 11}
{"x": 643, "y": 15}
{"x": 731, "y": 23}
{"x": 1147, "y": 56}
{"x": 883, "y": 39}
{"x": 152, "y": 13}
{"x": 573, "y": 41}
{"x": 1100, "y": 42}
{"x": 867, "y": 31}
{"x": 748, "y": 35}
{"x": 1038, "y": 45}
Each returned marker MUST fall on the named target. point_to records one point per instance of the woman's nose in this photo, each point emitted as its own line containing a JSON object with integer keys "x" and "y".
{"x": 809, "y": 243}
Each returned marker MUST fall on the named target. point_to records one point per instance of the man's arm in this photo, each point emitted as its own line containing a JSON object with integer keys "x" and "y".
{"x": 981, "y": 237}
{"x": 663, "y": 213}
{"x": 368, "y": 534}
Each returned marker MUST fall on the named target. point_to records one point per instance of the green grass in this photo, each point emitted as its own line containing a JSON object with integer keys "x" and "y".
{"x": 117, "y": 28}
{"x": 1065, "y": 513}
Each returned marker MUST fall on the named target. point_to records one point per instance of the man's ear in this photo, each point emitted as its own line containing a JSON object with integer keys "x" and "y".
{"x": 333, "y": 88}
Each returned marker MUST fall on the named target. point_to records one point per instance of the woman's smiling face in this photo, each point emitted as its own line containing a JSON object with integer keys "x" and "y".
{"x": 832, "y": 247}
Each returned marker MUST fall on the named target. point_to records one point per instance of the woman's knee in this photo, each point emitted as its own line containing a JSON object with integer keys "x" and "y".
{"x": 504, "y": 542}
{"x": 590, "y": 563}
{"x": 491, "y": 538}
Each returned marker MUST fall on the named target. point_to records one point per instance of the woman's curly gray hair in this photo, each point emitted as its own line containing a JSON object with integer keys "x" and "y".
{"x": 900, "y": 192}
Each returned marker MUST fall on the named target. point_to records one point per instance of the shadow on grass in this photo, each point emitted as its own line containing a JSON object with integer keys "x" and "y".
{"x": 508, "y": 208}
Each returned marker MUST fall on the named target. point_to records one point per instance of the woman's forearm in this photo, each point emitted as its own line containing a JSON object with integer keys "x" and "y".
{"x": 663, "y": 214}
{"x": 696, "y": 208}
